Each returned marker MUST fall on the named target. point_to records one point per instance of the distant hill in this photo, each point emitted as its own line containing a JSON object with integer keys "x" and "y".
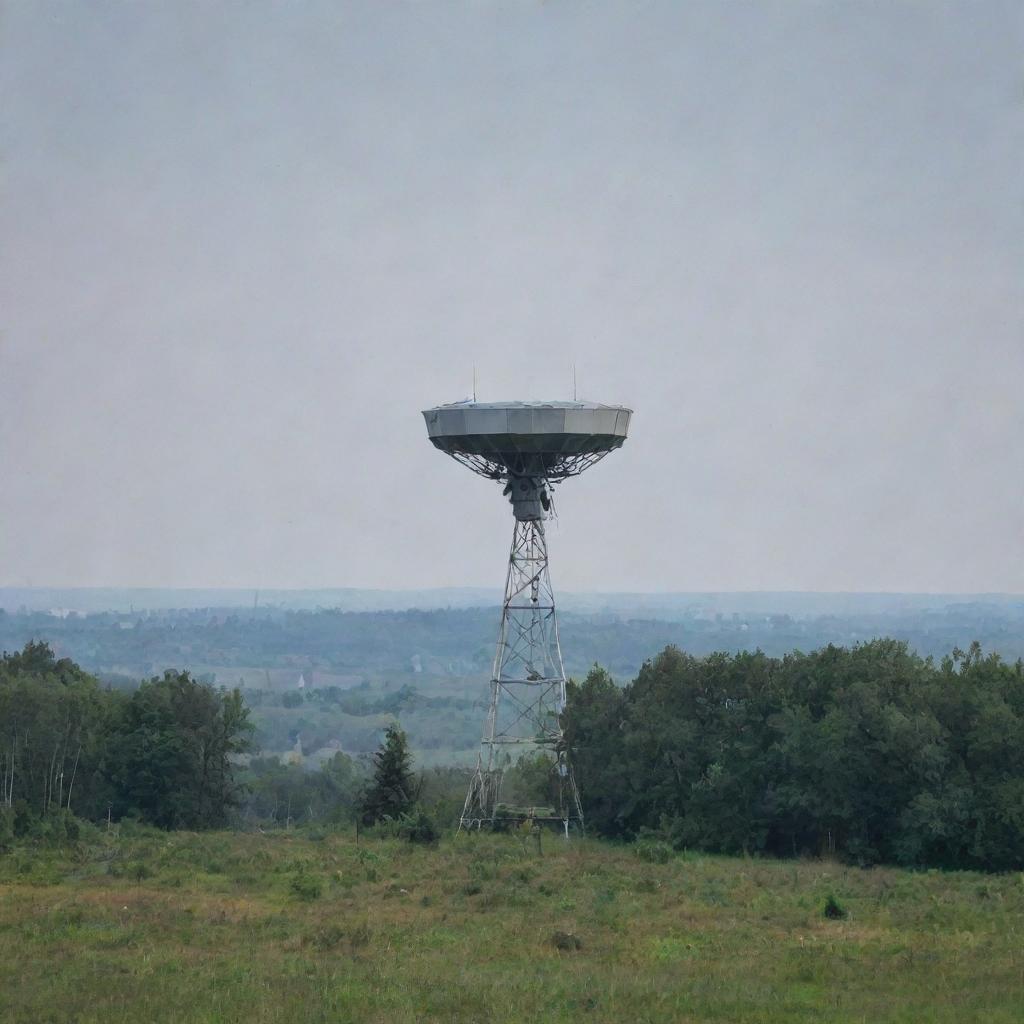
{"x": 672, "y": 606}
{"x": 419, "y": 644}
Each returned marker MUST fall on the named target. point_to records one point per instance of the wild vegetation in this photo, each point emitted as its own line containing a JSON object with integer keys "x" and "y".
{"x": 871, "y": 753}
{"x": 311, "y": 927}
{"x": 175, "y": 752}
{"x": 163, "y": 753}
{"x": 342, "y": 894}
{"x": 444, "y": 728}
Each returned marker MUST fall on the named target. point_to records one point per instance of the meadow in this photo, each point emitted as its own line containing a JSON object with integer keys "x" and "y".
{"x": 138, "y": 925}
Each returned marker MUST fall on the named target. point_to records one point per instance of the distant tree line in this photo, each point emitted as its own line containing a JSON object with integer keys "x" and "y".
{"x": 319, "y": 717}
{"x": 357, "y": 701}
{"x": 420, "y": 646}
{"x": 174, "y": 752}
{"x": 281, "y": 793}
{"x": 870, "y": 754}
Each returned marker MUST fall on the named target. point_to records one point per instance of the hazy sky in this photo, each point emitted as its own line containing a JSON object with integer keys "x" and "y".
{"x": 244, "y": 244}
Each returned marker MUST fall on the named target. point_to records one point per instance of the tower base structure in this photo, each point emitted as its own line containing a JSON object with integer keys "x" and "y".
{"x": 527, "y": 690}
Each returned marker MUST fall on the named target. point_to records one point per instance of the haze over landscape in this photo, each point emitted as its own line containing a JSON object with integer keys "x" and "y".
{"x": 246, "y": 244}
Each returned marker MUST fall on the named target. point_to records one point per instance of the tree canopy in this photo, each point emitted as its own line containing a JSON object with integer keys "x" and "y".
{"x": 170, "y": 756}
{"x": 871, "y": 753}
{"x": 165, "y": 753}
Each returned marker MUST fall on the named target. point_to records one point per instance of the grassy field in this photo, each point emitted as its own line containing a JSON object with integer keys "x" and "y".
{"x": 151, "y": 927}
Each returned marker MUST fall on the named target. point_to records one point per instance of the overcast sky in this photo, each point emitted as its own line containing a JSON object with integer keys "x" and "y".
{"x": 244, "y": 244}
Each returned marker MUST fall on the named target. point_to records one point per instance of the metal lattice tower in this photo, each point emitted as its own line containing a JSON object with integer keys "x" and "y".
{"x": 530, "y": 446}
{"x": 527, "y": 686}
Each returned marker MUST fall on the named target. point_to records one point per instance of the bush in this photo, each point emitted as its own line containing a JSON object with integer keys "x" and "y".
{"x": 22, "y": 821}
{"x": 360, "y": 935}
{"x": 327, "y": 937}
{"x": 140, "y": 871}
{"x": 6, "y": 829}
{"x": 55, "y": 828}
{"x": 834, "y": 910}
{"x": 566, "y": 941}
{"x": 305, "y": 887}
{"x": 653, "y": 851}
{"x": 419, "y": 828}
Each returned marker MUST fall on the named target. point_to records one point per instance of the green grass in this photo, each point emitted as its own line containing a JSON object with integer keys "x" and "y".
{"x": 222, "y": 927}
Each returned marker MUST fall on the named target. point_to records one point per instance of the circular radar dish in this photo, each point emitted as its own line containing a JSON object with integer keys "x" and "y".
{"x": 553, "y": 440}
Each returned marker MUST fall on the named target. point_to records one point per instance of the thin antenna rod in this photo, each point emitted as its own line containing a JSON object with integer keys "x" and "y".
{"x": 574, "y": 382}
{"x": 474, "y": 382}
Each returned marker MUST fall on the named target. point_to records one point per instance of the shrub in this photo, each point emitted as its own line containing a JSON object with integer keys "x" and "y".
{"x": 140, "y": 871}
{"x": 419, "y": 828}
{"x": 22, "y": 821}
{"x": 834, "y": 910}
{"x": 653, "y": 851}
{"x": 6, "y": 829}
{"x": 55, "y": 828}
{"x": 566, "y": 941}
{"x": 305, "y": 887}
{"x": 360, "y": 935}
{"x": 327, "y": 937}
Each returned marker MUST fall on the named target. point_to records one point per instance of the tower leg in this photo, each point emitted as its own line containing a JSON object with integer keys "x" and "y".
{"x": 527, "y": 695}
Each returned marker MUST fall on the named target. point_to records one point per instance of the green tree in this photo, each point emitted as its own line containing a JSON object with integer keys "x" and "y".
{"x": 53, "y": 722}
{"x": 391, "y": 793}
{"x": 595, "y": 721}
{"x": 170, "y": 755}
{"x": 289, "y": 794}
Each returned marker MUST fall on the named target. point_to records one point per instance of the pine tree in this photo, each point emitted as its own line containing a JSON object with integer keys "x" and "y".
{"x": 391, "y": 793}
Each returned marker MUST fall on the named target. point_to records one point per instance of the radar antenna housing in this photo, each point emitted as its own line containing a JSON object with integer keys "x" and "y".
{"x": 529, "y": 447}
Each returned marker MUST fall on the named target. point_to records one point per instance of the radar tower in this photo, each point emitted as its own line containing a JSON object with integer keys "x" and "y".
{"x": 529, "y": 447}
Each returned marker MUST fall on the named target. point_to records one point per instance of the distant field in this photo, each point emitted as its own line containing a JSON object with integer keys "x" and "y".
{"x": 152, "y": 927}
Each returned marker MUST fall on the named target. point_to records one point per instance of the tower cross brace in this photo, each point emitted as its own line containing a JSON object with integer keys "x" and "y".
{"x": 527, "y": 691}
